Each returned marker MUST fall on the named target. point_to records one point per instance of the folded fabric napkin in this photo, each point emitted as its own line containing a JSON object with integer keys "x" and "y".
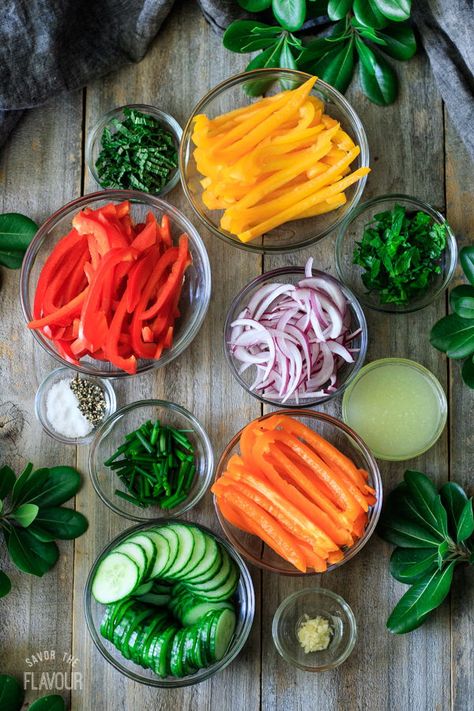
{"x": 51, "y": 46}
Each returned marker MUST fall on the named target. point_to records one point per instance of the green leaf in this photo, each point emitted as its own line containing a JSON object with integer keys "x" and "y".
{"x": 5, "y": 584}
{"x": 52, "y": 702}
{"x": 337, "y": 9}
{"x": 25, "y": 514}
{"x": 443, "y": 550}
{"x": 11, "y": 693}
{"x": 421, "y": 599}
{"x": 466, "y": 257}
{"x": 41, "y": 533}
{"x": 368, "y": 32}
{"x": 454, "y": 499}
{"x": 315, "y": 50}
{"x": 454, "y": 336}
{"x": 395, "y": 10}
{"x": 268, "y": 58}
{"x": 7, "y": 481}
{"x": 244, "y": 33}
{"x": 465, "y": 526}
{"x": 400, "y": 41}
{"x": 61, "y": 522}
{"x": 377, "y": 78}
{"x": 468, "y": 372}
{"x": 254, "y": 5}
{"x": 462, "y": 300}
{"x": 411, "y": 565}
{"x": 337, "y": 66}
{"x": 287, "y": 61}
{"x": 60, "y": 485}
{"x": 16, "y": 233}
{"x": 28, "y": 484}
{"x": 29, "y": 554}
{"x": 427, "y": 501}
{"x": 407, "y": 534}
{"x": 291, "y": 14}
{"x": 367, "y": 13}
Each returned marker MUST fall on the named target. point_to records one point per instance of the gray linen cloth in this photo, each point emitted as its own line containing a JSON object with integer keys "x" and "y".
{"x": 50, "y": 46}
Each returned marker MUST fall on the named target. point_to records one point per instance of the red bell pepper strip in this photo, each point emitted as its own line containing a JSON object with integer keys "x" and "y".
{"x": 174, "y": 280}
{"x": 69, "y": 310}
{"x": 64, "y": 350}
{"x": 139, "y": 276}
{"x": 115, "y": 233}
{"x": 88, "y": 225}
{"x": 166, "y": 231}
{"x": 147, "y": 237}
{"x": 111, "y": 344}
{"x": 67, "y": 281}
{"x": 122, "y": 209}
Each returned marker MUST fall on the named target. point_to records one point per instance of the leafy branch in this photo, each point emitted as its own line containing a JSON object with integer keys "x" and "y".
{"x": 32, "y": 518}
{"x": 433, "y": 533}
{"x": 364, "y": 30}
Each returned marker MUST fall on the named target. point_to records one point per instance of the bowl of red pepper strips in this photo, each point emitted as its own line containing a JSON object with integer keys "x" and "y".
{"x": 151, "y": 460}
{"x": 115, "y": 283}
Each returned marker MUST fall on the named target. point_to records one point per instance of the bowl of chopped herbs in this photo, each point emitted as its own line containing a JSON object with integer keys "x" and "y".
{"x": 135, "y": 147}
{"x": 151, "y": 460}
{"x": 396, "y": 253}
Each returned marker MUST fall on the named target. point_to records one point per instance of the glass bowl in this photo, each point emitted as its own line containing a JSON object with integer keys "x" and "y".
{"x": 351, "y": 231}
{"x": 245, "y": 604}
{"x": 229, "y": 95}
{"x": 431, "y": 381}
{"x": 111, "y": 435}
{"x": 350, "y": 444}
{"x": 314, "y": 602}
{"x": 291, "y": 275}
{"x": 94, "y": 139}
{"x": 41, "y": 404}
{"x": 196, "y": 288}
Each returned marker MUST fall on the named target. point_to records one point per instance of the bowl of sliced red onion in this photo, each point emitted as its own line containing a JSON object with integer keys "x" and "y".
{"x": 295, "y": 336}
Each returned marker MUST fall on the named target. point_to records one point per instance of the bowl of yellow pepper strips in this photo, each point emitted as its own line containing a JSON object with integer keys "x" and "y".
{"x": 277, "y": 173}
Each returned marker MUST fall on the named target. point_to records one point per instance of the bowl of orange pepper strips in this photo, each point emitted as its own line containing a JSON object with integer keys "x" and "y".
{"x": 115, "y": 283}
{"x": 277, "y": 173}
{"x": 297, "y": 492}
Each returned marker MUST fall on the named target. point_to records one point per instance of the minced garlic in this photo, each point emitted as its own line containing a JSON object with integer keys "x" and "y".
{"x": 314, "y": 634}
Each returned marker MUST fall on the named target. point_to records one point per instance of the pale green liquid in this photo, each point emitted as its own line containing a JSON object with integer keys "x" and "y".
{"x": 395, "y": 409}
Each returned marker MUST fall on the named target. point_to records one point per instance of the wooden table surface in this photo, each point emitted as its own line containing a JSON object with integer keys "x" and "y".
{"x": 414, "y": 150}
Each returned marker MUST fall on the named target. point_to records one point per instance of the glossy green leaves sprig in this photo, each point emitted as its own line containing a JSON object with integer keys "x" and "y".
{"x": 12, "y": 696}
{"x": 365, "y": 31}
{"x": 433, "y": 532}
{"x": 454, "y": 334}
{"x": 32, "y": 518}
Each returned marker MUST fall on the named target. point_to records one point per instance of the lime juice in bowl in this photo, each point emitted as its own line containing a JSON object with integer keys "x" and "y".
{"x": 397, "y": 406}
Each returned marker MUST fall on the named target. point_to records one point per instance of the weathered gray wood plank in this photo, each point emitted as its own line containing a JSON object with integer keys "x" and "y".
{"x": 36, "y": 179}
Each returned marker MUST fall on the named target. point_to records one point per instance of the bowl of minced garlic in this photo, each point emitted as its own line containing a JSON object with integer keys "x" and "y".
{"x": 314, "y": 629}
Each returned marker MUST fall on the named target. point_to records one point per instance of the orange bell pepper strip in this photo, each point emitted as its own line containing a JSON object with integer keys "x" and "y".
{"x": 335, "y": 556}
{"x": 232, "y": 515}
{"x": 313, "y": 560}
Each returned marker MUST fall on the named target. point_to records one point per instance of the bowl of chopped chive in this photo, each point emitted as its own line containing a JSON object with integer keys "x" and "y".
{"x": 396, "y": 253}
{"x": 135, "y": 147}
{"x": 151, "y": 460}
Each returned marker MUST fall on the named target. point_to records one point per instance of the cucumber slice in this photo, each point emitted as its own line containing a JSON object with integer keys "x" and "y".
{"x": 198, "y": 553}
{"x": 204, "y": 627}
{"x": 136, "y": 553}
{"x": 185, "y": 549}
{"x": 197, "y": 653}
{"x": 217, "y": 580}
{"x": 129, "y": 638}
{"x": 221, "y": 633}
{"x": 173, "y": 541}
{"x": 176, "y": 655}
{"x": 199, "y": 607}
{"x": 150, "y": 550}
{"x": 155, "y": 599}
{"x": 116, "y": 577}
{"x": 143, "y": 589}
{"x": 209, "y": 564}
{"x": 224, "y": 591}
{"x": 161, "y": 651}
{"x": 120, "y": 610}
{"x": 189, "y": 638}
{"x": 105, "y": 623}
{"x": 163, "y": 551}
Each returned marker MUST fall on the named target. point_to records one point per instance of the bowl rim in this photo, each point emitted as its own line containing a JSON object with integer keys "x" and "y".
{"x": 374, "y": 472}
{"x": 247, "y": 76}
{"x": 135, "y": 197}
{"x": 167, "y": 119}
{"x": 207, "y": 672}
{"x": 353, "y": 302}
{"x": 450, "y": 252}
{"x": 42, "y": 392}
{"x": 351, "y": 621}
{"x": 106, "y": 427}
{"x": 428, "y": 375}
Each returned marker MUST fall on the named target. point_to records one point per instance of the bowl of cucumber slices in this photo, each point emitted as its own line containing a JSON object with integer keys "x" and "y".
{"x": 169, "y": 603}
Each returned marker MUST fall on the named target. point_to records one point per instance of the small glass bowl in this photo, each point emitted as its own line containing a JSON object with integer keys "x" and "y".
{"x": 314, "y": 602}
{"x": 350, "y": 444}
{"x": 94, "y": 139}
{"x": 291, "y": 275}
{"x": 195, "y": 294}
{"x": 351, "y": 230}
{"x": 229, "y": 95}
{"x": 428, "y": 377}
{"x": 111, "y": 434}
{"x": 41, "y": 403}
{"x": 245, "y": 607}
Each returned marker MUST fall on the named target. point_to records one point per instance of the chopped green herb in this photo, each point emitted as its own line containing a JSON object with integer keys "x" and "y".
{"x": 400, "y": 254}
{"x": 137, "y": 153}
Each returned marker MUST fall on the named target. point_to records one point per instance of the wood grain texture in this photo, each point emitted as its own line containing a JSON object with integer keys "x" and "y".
{"x": 35, "y": 178}
{"x": 460, "y": 213}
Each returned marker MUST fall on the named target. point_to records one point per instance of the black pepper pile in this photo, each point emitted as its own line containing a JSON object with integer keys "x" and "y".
{"x": 90, "y": 398}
